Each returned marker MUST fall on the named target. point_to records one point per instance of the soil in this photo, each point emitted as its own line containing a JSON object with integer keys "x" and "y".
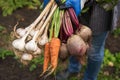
{"x": 10, "y": 68}
{"x": 112, "y": 43}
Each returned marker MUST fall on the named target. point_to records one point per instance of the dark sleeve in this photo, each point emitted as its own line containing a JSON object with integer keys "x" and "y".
{"x": 97, "y": 19}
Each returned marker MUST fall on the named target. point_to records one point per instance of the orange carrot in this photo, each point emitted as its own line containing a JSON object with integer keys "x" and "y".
{"x": 46, "y": 57}
{"x": 54, "y": 52}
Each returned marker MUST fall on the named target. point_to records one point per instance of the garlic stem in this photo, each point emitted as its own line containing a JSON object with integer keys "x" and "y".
{"x": 46, "y": 30}
{"x": 40, "y": 24}
{"x": 32, "y": 45}
{"x": 47, "y": 21}
{"x": 39, "y": 18}
{"x": 42, "y": 21}
{"x": 41, "y": 15}
{"x": 44, "y": 38}
{"x": 32, "y": 33}
{"x": 14, "y": 30}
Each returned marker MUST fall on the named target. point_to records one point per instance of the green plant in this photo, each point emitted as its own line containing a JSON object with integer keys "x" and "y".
{"x": 109, "y": 58}
{"x": 116, "y": 32}
{"x": 117, "y": 63}
{"x": 111, "y": 67}
{"x": 4, "y": 53}
{"x": 2, "y": 28}
{"x": 35, "y": 62}
{"x": 8, "y": 6}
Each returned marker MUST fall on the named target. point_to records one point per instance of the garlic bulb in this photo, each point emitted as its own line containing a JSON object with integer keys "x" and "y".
{"x": 19, "y": 44}
{"x": 32, "y": 45}
{"x": 43, "y": 40}
{"x": 37, "y": 52}
{"x": 27, "y": 57}
{"x": 21, "y": 32}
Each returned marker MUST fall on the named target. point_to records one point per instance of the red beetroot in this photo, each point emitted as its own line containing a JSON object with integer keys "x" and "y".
{"x": 85, "y": 33}
{"x": 76, "y": 45}
{"x": 63, "y": 53}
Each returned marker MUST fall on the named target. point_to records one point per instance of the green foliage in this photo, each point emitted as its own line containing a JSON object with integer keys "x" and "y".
{"x": 85, "y": 9}
{"x": 117, "y": 63}
{"x": 108, "y": 58}
{"x": 112, "y": 71}
{"x": 4, "y": 53}
{"x": 8, "y": 6}
{"x": 2, "y": 28}
{"x": 35, "y": 62}
{"x": 116, "y": 32}
{"x": 107, "y": 4}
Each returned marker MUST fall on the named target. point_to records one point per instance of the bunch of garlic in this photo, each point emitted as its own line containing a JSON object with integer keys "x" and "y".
{"x": 29, "y": 40}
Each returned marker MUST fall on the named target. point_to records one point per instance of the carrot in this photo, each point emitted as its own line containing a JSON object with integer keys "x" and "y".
{"x": 54, "y": 41}
{"x": 46, "y": 57}
{"x": 54, "y": 52}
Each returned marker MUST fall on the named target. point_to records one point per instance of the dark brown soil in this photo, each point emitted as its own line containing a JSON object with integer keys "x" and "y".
{"x": 113, "y": 43}
{"x": 10, "y": 68}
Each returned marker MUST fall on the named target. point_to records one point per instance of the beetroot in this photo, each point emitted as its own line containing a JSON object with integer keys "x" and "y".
{"x": 85, "y": 33}
{"x": 63, "y": 53}
{"x": 76, "y": 45}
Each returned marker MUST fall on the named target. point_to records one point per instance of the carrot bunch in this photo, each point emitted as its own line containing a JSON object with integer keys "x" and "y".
{"x": 52, "y": 48}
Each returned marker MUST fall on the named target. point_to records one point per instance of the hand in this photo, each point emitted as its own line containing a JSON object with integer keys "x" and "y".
{"x": 76, "y": 4}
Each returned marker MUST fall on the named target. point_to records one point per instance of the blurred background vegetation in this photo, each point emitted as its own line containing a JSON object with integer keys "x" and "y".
{"x": 8, "y": 6}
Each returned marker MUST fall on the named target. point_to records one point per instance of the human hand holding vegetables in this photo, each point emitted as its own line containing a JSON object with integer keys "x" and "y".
{"x": 77, "y": 5}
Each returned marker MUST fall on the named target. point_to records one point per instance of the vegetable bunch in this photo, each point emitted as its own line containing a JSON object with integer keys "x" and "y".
{"x": 66, "y": 35}
{"x": 76, "y": 36}
{"x": 28, "y": 41}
